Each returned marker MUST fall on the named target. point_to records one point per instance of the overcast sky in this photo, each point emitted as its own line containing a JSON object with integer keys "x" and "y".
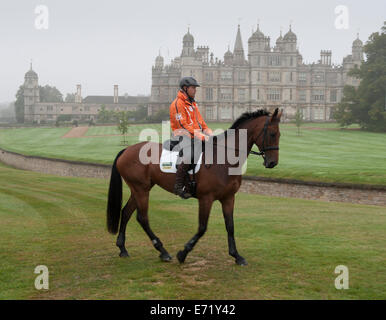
{"x": 102, "y": 43}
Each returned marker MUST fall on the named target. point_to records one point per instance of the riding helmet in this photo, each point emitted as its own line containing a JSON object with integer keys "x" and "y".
{"x": 188, "y": 81}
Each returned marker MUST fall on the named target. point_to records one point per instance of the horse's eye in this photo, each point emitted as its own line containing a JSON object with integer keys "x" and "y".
{"x": 273, "y": 135}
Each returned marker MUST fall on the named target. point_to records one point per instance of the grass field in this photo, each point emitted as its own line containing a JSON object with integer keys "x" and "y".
{"x": 292, "y": 246}
{"x": 322, "y": 152}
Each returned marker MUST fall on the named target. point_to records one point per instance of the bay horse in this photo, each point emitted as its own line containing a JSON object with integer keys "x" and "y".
{"x": 213, "y": 183}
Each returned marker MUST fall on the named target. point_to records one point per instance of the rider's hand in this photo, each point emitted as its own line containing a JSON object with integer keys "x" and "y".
{"x": 206, "y": 138}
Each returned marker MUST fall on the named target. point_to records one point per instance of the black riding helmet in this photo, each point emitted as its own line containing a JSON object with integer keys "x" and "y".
{"x": 188, "y": 81}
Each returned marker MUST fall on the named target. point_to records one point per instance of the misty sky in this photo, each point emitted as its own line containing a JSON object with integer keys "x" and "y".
{"x": 102, "y": 43}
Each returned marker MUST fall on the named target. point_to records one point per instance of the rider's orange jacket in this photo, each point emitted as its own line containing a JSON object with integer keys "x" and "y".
{"x": 185, "y": 118}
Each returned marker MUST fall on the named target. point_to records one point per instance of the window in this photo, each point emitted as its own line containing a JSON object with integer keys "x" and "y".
{"x": 291, "y": 62}
{"x": 302, "y": 95}
{"x": 226, "y": 75}
{"x": 255, "y": 61}
{"x": 318, "y": 113}
{"x": 242, "y": 76}
{"x": 318, "y": 77}
{"x": 318, "y": 95}
{"x": 209, "y": 75}
{"x": 156, "y": 92}
{"x": 209, "y": 94}
{"x": 241, "y": 94}
{"x": 258, "y": 76}
{"x": 225, "y": 113}
{"x": 273, "y": 94}
{"x": 74, "y": 108}
{"x": 258, "y": 94}
{"x": 333, "y": 94}
{"x": 291, "y": 76}
{"x": 302, "y": 77}
{"x": 274, "y": 76}
{"x": 209, "y": 112}
{"x": 226, "y": 94}
{"x": 86, "y": 108}
{"x": 50, "y": 108}
{"x": 332, "y": 78}
{"x": 290, "y": 94}
{"x": 274, "y": 60}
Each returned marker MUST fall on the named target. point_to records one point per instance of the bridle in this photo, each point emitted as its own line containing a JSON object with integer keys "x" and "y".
{"x": 263, "y": 149}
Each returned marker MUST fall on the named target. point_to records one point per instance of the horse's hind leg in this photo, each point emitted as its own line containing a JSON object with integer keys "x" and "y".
{"x": 142, "y": 200}
{"x": 127, "y": 211}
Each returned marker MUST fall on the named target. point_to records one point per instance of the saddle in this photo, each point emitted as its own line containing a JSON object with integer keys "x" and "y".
{"x": 171, "y": 144}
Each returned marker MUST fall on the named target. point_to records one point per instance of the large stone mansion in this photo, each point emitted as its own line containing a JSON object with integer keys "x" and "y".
{"x": 82, "y": 109}
{"x": 270, "y": 77}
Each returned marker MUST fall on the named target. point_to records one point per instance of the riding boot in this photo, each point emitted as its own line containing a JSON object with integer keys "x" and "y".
{"x": 179, "y": 187}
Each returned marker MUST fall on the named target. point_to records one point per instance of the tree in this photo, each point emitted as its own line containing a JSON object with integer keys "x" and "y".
{"x": 123, "y": 125}
{"x": 50, "y": 94}
{"x": 19, "y": 105}
{"x": 298, "y": 119}
{"x": 103, "y": 115}
{"x": 160, "y": 115}
{"x": 367, "y": 104}
{"x": 70, "y": 97}
{"x": 140, "y": 113}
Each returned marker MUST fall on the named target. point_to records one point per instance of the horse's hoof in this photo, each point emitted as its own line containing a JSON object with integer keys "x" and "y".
{"x": 241, "y": 262}
{"x": 181, "y": 256}
{"x": 165, "y": 257}
{"x": 124, "y": 254}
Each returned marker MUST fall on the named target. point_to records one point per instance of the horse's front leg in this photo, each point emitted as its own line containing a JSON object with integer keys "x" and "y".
{"x": 227, "y": 210}
{"x": 205, "y": 204}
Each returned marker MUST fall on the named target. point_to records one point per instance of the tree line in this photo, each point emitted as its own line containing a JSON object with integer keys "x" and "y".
{"x": 366, "y": 105}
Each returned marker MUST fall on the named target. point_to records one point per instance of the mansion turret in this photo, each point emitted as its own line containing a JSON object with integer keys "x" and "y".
{"x": 265, "y": 77}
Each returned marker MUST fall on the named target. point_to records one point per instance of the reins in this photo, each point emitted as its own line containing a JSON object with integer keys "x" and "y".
{"x": 263, "y": 148}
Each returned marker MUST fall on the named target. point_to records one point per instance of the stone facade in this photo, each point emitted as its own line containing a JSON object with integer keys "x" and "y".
{"x": 270, "y": 77}
{"x": 81, "y": 109}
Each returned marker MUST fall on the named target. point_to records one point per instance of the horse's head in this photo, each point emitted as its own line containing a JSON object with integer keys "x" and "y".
{"x": 267, "y": 138}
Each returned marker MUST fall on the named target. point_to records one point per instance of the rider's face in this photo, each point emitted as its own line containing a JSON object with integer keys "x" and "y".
{"x": 191, "y": 90}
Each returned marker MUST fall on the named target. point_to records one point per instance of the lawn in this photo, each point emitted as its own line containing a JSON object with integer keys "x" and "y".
{"x": 322, "y": 152}
{"x": 292, "y": 246}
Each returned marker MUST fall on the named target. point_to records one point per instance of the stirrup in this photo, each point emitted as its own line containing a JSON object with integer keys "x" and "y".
{"x": 182, "y": 193}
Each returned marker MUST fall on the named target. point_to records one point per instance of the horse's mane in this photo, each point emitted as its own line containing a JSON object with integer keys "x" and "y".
{"x": 244, "y": 117}
{"x": 247, "y": 116}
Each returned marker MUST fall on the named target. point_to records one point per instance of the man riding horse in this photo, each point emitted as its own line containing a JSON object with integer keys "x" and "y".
{"x": 186, "y": 120}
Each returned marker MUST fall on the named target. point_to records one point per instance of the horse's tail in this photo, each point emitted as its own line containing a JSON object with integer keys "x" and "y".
{"x": 114, "y": 203}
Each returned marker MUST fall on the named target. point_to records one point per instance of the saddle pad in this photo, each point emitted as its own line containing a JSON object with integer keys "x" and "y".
{"x": 168, "y": 162}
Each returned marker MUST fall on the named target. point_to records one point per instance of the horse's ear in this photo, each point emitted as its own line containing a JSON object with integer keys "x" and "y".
{"x": 279, "y": 115}
{"x": 273, "y": 117}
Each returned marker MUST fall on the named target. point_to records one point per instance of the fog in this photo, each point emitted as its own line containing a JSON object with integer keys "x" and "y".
{"x": 102, "y": 43}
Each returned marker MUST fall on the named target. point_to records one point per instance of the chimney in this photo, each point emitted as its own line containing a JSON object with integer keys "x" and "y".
{"x": 78, "y": 95}
{"x": 115, "y": 93}
{"x": 325, "y": 57}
